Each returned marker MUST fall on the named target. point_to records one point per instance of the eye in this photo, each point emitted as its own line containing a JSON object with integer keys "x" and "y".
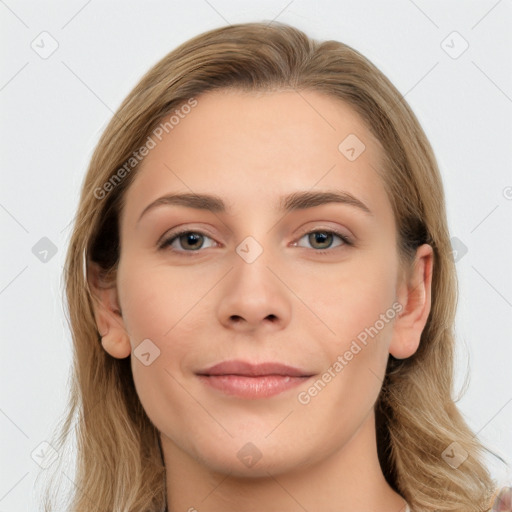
{"x": 193, "y": 241}
{"x": 186, "y": 241}
{"x": 323, "y": 239}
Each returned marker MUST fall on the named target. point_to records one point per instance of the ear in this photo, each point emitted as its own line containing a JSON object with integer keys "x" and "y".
{"x": 107, "y": 313}
{"x": 414, "y": 293}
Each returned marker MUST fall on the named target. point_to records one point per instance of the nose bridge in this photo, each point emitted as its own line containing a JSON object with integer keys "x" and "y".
{"x": 252, "y": 294}
{"x": 251, "y": 274}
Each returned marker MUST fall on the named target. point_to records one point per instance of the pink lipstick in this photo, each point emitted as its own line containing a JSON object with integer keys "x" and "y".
{"x": 251, "y": 381}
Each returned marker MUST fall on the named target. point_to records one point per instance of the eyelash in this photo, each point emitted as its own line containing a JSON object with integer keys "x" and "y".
{"x": 165, "y": 244}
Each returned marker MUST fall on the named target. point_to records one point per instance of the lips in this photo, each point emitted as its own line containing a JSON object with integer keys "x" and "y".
{"x": 252, "y": 381}
{"x": 253, "y": 370}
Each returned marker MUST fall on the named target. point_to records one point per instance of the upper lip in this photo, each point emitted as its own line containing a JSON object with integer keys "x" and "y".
{"x": 253, "y": 370}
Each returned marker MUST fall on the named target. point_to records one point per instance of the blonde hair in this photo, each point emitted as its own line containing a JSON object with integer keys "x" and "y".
{"x": 119, "y": 460}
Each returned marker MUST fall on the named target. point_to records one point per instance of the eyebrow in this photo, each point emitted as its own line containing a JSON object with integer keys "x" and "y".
{"x": 289, "y": 203}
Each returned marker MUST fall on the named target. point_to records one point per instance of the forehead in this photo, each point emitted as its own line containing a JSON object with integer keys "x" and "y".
{"x": 251, "y": 148}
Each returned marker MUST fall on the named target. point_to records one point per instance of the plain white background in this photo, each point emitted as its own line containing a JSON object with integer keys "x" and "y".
{"x": 54, "y": 107}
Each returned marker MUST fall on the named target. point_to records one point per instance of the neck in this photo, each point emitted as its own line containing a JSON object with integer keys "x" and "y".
{"x": 346, "y": 480}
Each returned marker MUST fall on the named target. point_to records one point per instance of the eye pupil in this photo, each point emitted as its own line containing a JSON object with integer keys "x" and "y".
{"x": 320, "y": 236}
{"x": 192, "y": 238}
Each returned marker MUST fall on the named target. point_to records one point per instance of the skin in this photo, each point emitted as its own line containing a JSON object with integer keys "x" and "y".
{"x": 291, "y": 304}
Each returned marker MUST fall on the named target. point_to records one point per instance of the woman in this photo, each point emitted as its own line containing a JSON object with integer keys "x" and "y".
{"x": 223, "y": 359}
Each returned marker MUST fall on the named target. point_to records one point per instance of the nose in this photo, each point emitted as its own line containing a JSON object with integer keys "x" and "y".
{"x": 254, "y": 296}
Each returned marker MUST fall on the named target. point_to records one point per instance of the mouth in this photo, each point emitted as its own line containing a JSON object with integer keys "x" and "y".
{"x": 252, "y": 381}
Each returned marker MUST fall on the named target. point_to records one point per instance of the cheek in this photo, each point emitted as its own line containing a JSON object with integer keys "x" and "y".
{"x": 356, "y": 301}
{"x": 151, "y": 309}
{"x": 155, "y": 300}
{"x": 360, "y": 310}
{"x": 156, "y": 313}
{"x": 356, "y": 359}
{"x": 161, "y": 312}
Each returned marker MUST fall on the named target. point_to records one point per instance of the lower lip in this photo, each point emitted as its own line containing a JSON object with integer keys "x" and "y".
{"x": 242, "y": 386}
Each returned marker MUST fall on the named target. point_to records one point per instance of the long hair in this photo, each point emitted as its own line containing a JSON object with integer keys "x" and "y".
{"x": 119, "y": 461}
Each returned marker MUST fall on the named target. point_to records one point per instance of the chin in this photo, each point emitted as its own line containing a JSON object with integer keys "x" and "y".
{"x": 251, "y": 460}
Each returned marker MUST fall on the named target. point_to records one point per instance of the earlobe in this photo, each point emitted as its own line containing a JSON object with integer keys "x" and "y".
{"x": 116, "y": 347}
{"x": 107, "y": 314}
{"x": 415, "y": 296}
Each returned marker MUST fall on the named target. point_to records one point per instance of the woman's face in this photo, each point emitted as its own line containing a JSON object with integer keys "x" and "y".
{"x": 260, "y": 277}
